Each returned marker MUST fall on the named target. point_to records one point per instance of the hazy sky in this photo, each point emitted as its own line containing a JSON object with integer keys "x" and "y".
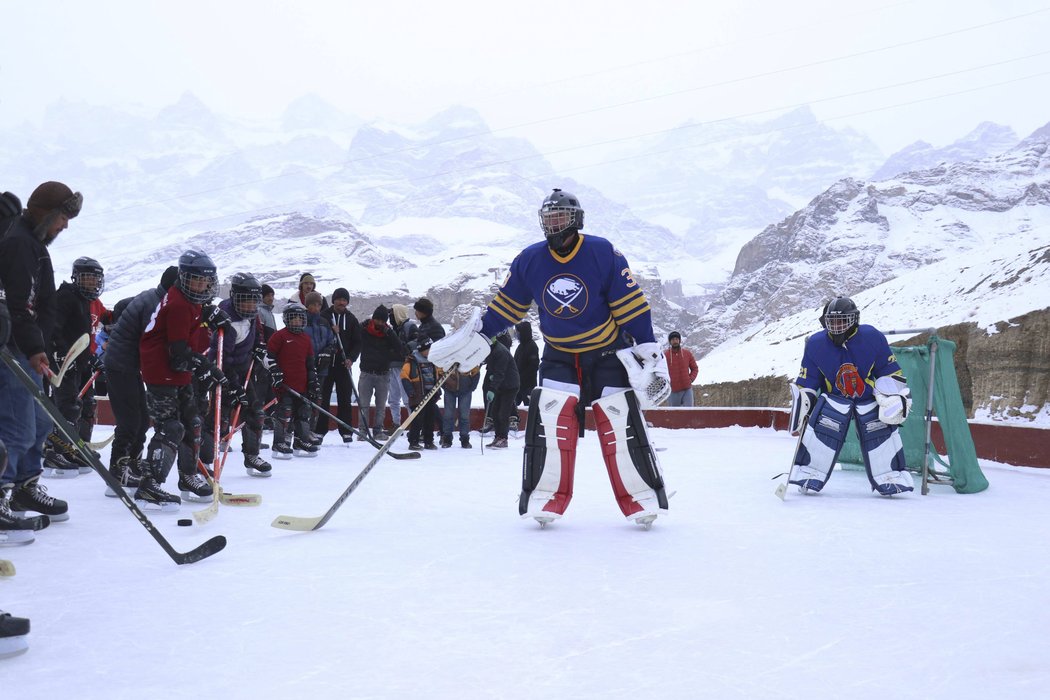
{"x": 562, "y": 74}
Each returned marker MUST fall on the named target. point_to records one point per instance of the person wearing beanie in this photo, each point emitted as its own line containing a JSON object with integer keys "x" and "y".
{"x": 266, "y": 312}
{"x": 127, "y": 395}
{"x": 405, "y": 328}
{"x": 27, "y": 276}
{"x": 681, "y": 366}
{"x": 378, "y": 344}
{"x": 348, "y": 343}
{"x": 307, "y": 284}
{"x": 428, "y": 325}
{"x": 326, "y": 348}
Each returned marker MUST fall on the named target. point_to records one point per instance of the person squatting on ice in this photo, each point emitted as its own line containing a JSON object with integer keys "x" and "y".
{"x": 588, "y": 302}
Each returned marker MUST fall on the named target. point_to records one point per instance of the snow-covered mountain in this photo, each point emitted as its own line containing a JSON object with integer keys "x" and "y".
{"x": 987, "y": 139}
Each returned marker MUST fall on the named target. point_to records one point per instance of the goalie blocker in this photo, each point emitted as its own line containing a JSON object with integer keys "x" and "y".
{"x": 550, "y": 456}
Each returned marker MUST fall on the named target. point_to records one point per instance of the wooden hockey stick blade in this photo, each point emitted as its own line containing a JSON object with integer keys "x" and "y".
{"x": 240, "y": 499}
{"x": 206, "y": 515}
{"x": 292, "y": 522}
{"x": 782, "y": 489}
{"x": 79, "y": 345}
{"x": 102, "y": 443}
{"x": 6, "y": 568}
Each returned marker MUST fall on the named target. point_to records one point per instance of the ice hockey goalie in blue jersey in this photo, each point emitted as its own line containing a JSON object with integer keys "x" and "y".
{"x": 588, "y": 303}
{"x": 848, "y": 373}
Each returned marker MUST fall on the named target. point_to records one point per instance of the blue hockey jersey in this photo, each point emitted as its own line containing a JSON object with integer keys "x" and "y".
{"x": 849, "y": 371}
{"x": 584, "y": 298}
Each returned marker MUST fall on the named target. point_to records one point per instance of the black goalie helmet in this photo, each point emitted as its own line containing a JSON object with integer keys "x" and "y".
{"x": 89, "y": 277}
{"x": 561, "y": 216}
{"x": 197, "y": 277}
{"x": 246, "y": 294}
{"x": 294, "y": 317}
{"x": 840, "y": 318}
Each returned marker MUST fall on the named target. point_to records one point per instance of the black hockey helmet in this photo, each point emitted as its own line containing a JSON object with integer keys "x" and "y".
{"x": 840, "y": 318}
{"x": 423, "y": 342}
{"x": 294, "y": 317}
{"x": 561, "y": 216}
{"x": 246, "y": 293}
{"x": 197, "y": 277}
{"x": 89, "y": 277}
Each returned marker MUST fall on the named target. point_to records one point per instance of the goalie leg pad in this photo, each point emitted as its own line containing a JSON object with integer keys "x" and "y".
{"x": 821, "y": 443}
{"x": 883, "y": 452}
{"x": 634, "y": 470}
{"x": 552, "y": 428}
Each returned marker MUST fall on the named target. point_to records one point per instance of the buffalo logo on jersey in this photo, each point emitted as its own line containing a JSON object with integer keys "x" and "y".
{"x": 848, "y": 381}
{"x": 565, "y": 296}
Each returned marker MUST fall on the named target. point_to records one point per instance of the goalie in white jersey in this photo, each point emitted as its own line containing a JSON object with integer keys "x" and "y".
{"x": 588, "y": 304}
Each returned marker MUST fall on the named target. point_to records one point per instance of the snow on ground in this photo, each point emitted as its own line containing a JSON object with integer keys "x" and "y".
{"x": 427, "y": 584}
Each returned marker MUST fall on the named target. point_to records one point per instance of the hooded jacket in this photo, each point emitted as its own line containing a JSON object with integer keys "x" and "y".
{"x": 28, "y": 280}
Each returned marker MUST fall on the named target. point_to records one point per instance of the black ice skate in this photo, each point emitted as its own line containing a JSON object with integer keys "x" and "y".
{"x": 304, "y": 449}
{"x": 13, "y": 635}
{"x": 257, "y": 466}
{"x": 281, "y": 450}
{"x": 195, "y": 487}
{"x": 126, "y": 472}
{"x": 150, "y": 496}
{"x": 31, "y": 496}
{"x": 15, "y": 530}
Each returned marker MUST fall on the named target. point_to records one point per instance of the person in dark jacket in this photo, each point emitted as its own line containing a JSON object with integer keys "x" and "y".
{"x": 348, "y": 340}
{"x": 127, "y": 394}
{"x": 28, "y": 280}
{"x": 502, "y": 375}
{"x": 527, "y": 360}
{"x": 428, "y": 325}
{"x": 378, "y": 344}
{"x": 418, "y": 378}
{"x": 325, "y": 350}
{"x": 405, "y": 329}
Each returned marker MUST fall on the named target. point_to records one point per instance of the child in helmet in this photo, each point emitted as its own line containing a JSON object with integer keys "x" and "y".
{"x": 290, "y": 359}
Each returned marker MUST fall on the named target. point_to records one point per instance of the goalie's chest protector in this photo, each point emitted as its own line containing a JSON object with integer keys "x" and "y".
{"x": 848, "y": 370}
{"x": 582, "y": 298}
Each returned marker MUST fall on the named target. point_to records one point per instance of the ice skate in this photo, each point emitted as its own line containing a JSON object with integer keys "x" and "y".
{"x": 195, "y": 487}
{"x": 281, "y": 450}
{"x": 126, "y": 473}
{"x": 58, "y": 467}
{"x": 302, "y": 448}
{"x": 31, "y": 496}
{"x": 14, "y": 530}
{"x": 13, "y": 635}
{"x": 257, "y": 466}
{"x": 150, "y": 496}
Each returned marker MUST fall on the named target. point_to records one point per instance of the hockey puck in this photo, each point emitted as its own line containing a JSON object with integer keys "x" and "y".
{"x": 185, "y": 522}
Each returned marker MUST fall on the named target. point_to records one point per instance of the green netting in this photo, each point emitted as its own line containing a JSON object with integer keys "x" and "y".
{"x": 961, "y": 464}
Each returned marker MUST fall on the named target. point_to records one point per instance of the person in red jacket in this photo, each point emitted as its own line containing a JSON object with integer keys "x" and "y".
{"x": 169, "y": 361}
{"x": 681, "y": 366}
{"x": 290, "y": 359}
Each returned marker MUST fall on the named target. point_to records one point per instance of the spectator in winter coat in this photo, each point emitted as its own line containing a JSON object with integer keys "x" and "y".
{"x": 527, "y": 360}
{"x": 127, "y": 395}
{"x": 348, "y": 344}
{"x": 325, "y": 348}
{"x": 428, "y": 325}
{"x": 458, "y": 390}
{"x": 266, "y": 311}
{"x": 419, "y": 377}
{"x": 502, "y": 376}
{"x": 28, "y": 279}
{"x": 682, "y": 369}
{"x": 406, "y": 330}
{"x": 307, "y": 284}
{"x": 378, "y": 345}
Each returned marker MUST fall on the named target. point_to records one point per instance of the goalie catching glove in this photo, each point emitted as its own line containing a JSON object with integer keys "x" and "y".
{"x": 894, "y": 399}
{"x": 465, "y": 346}
{"x": 647, "y": 372}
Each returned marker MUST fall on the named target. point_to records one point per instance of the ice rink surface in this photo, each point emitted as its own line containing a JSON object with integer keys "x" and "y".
{"x": 427, "y": 585}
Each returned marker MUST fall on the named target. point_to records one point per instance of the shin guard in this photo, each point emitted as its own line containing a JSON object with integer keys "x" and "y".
{"x": 634, "y": 471}
{"x": 821, "y": 443}
{"x": 883, "y": 452}
{"x": 552, "y": 428}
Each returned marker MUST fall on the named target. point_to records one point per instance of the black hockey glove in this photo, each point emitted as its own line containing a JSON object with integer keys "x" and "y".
{"x": 313, "y": 390}
{"x": 215, "y": 318}
{"x": 276, "y": 376}
{"x": 325, "y": 357}
{"x": 95, "y": 365}
{"x": 236, "y": 395}
{"x": 259, "y": 353}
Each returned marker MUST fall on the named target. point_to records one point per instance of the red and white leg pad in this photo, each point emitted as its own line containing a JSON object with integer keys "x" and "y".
{"x": 552, "y": 429}
{"x": 634, "y": 471}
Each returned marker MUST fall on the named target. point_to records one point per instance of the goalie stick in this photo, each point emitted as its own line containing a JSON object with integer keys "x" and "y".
{"x": 371, "y": 440}
{"x": 291, "y": 522}
{"x": 79, "y": 345}
{"x": 203, "y": 551}
{"x": 782, "y": 487}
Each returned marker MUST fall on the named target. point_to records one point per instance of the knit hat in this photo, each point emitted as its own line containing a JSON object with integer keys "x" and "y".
{"x": 169, "y": 276}
{"x": 306, "y": 277}
{"x": 54, "y": 195}
{"x": 340, "y": 294}
{"x": 424, "y": 306}
{"x": 673, "y": 334}
{"x": 381, "y": 313}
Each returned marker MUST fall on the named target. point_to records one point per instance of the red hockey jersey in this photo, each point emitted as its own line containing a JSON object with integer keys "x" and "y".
{"x": 175, "y": 319}
{"x": 294, "y": 353}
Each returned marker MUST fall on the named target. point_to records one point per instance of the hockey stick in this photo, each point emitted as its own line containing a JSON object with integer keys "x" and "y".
{"x": 6, "y": 568}
{"x": 228, "y": 499}
{"x": 234, "y": 430}
{"x": 212, "y": 546}
{"x": 782, "y": 487}
{"x": 88, "y": 383}
{"x": 367, "y": 432}
{"x": 233, "y": 421}
{"x": 371, "y": 440}
{"x": 291, "y": 522}
{"x": 102, "y": 443}
{"x": 79, "y": 345}
{"x": 481, "y": 437}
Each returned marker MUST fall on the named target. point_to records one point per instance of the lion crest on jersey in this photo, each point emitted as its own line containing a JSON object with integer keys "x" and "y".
{"x": 848, "y": 381}
{"x": 565, "y": 296}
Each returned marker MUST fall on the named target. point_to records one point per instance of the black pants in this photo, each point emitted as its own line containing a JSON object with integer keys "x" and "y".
{"x": 251, "y": 415}
{"x": 127, "y": 399}
{"x": 176, "y": 424}
{"x": 422, "y": 426}
{"x": 79, "y": 411}
{"x": 339, "y": 377}
{"x": 502, "y": 405}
